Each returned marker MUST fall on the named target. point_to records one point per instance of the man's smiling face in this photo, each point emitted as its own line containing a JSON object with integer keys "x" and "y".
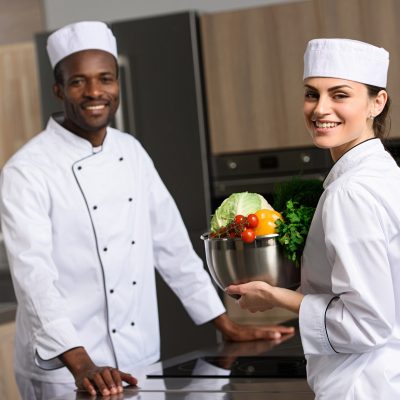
{"x": 89, "y": 91}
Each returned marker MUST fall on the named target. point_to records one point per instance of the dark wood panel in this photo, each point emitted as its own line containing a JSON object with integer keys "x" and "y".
{"x": 376, "y": 24}
{"x": 20, "y": 101}
{"x": 20, "y": 20}
{"x": 253, "y": 69}
{"x": 253, "y": 66}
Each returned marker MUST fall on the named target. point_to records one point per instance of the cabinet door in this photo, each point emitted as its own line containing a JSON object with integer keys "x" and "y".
{"x": 253, "y": 66}
{"x": 19, "y": 105}
{"x": 376, "y": 24}
{"x": 8, "y": 387}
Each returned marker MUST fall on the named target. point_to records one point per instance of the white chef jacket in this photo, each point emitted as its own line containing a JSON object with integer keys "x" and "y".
{"x": 84, "y": 231}
{"x": 350, "y": 315}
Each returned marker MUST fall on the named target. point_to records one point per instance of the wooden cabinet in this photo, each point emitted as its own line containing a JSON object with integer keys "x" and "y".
{"x": 20, "y": 102}
{"x": 374, "y": 23}
{"x": 8, "y": 387}
{"x": 253, "y": 66}
{"x": 20, "y": 20}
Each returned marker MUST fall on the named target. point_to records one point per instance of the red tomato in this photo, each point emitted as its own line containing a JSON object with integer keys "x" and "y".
{"x": 248, "y": 235}
{"x": 239, "y": 219}
{"x": 252, "y": 221}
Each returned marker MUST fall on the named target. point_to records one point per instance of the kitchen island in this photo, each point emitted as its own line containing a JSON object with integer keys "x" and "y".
{"x": 264, "y": 370}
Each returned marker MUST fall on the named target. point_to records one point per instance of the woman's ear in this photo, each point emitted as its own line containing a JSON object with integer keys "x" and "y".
{"x": 379, "y": 102}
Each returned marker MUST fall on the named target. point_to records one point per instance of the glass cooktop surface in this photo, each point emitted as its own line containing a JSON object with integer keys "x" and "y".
{"x": 240, "y": 367}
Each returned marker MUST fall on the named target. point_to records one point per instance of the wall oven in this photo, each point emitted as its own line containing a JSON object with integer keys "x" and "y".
{"x": 260, "y": 171}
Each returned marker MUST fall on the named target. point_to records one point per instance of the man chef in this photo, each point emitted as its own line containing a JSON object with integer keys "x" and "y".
{"x": 86, "y": 218}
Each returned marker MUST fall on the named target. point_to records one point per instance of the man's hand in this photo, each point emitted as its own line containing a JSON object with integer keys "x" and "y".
{"x": 92, "y": 378}
{"x": 230, "y": 351}
{"x": 241, "y": 333}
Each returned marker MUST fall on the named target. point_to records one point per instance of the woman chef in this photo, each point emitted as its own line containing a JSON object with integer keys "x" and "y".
{"x": 349, "y": 300}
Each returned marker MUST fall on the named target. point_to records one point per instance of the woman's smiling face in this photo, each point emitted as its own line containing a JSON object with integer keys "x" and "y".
{"x": 337, "y": 113}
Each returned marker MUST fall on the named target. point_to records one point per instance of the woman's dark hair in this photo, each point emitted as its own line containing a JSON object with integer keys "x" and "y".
{"x": 381, "y": 124}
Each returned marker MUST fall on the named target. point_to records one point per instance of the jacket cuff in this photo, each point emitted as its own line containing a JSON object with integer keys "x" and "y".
{"x": 313, "y": 331}
{"x": 52, "y": 340}
{"x": 204, "y": 305}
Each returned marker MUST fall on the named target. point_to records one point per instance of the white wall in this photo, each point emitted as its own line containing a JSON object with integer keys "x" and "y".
{"x": 61, "y": 12}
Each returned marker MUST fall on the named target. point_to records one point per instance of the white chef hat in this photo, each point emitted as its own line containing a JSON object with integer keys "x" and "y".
{"x": 85, "y": 35}
{"x": 346, "y": 59}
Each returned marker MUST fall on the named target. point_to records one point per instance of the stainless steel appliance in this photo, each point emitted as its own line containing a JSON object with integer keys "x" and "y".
{"x": 259, "y": 172}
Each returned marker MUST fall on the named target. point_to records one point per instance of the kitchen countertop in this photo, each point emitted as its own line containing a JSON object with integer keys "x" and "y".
{"x": 223, "y": 387}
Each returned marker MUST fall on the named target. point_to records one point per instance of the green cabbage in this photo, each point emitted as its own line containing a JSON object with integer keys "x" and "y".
{"x": 244, "y": 203}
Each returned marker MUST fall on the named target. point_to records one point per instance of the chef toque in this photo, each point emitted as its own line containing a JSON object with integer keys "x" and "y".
{"x": 85, "y": 35}
{"x": 346, "y": 59}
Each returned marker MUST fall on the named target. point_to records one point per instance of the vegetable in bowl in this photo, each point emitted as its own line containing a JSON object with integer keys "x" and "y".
{"x": 244, "y": 215}
{"x": 294, "y": 228}
{"x": 250, "y": 240}
{"x": 243, "y": 244}
{"x": 249, "y": 215}
{"x": 297, "y": 199}
{"x": 243, "y": 203}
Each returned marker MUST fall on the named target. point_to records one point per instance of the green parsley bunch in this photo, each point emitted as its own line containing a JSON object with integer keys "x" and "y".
{"x": 294, "y": 229}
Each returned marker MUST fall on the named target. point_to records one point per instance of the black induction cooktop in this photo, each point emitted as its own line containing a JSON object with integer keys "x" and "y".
{"x": 241, "y": 367}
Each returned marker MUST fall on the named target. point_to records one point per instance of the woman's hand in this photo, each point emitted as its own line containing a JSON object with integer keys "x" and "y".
{"x": 260, "y": 296}
{"x": 92, "y": 378}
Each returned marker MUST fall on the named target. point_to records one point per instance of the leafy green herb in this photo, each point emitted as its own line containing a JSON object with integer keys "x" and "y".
{"x": 294, "y": 229}
{"x": 302, "y": 191}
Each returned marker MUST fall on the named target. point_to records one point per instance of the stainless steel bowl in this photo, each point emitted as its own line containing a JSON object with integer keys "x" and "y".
{"x": 231, "y": 261}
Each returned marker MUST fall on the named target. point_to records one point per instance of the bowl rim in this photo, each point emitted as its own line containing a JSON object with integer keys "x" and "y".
{"x": 205, "y": 237}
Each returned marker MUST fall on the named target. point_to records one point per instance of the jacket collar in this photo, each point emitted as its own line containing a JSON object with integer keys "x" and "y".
{"x": 352, "y": 158}
{"x": 74, "y": 143}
